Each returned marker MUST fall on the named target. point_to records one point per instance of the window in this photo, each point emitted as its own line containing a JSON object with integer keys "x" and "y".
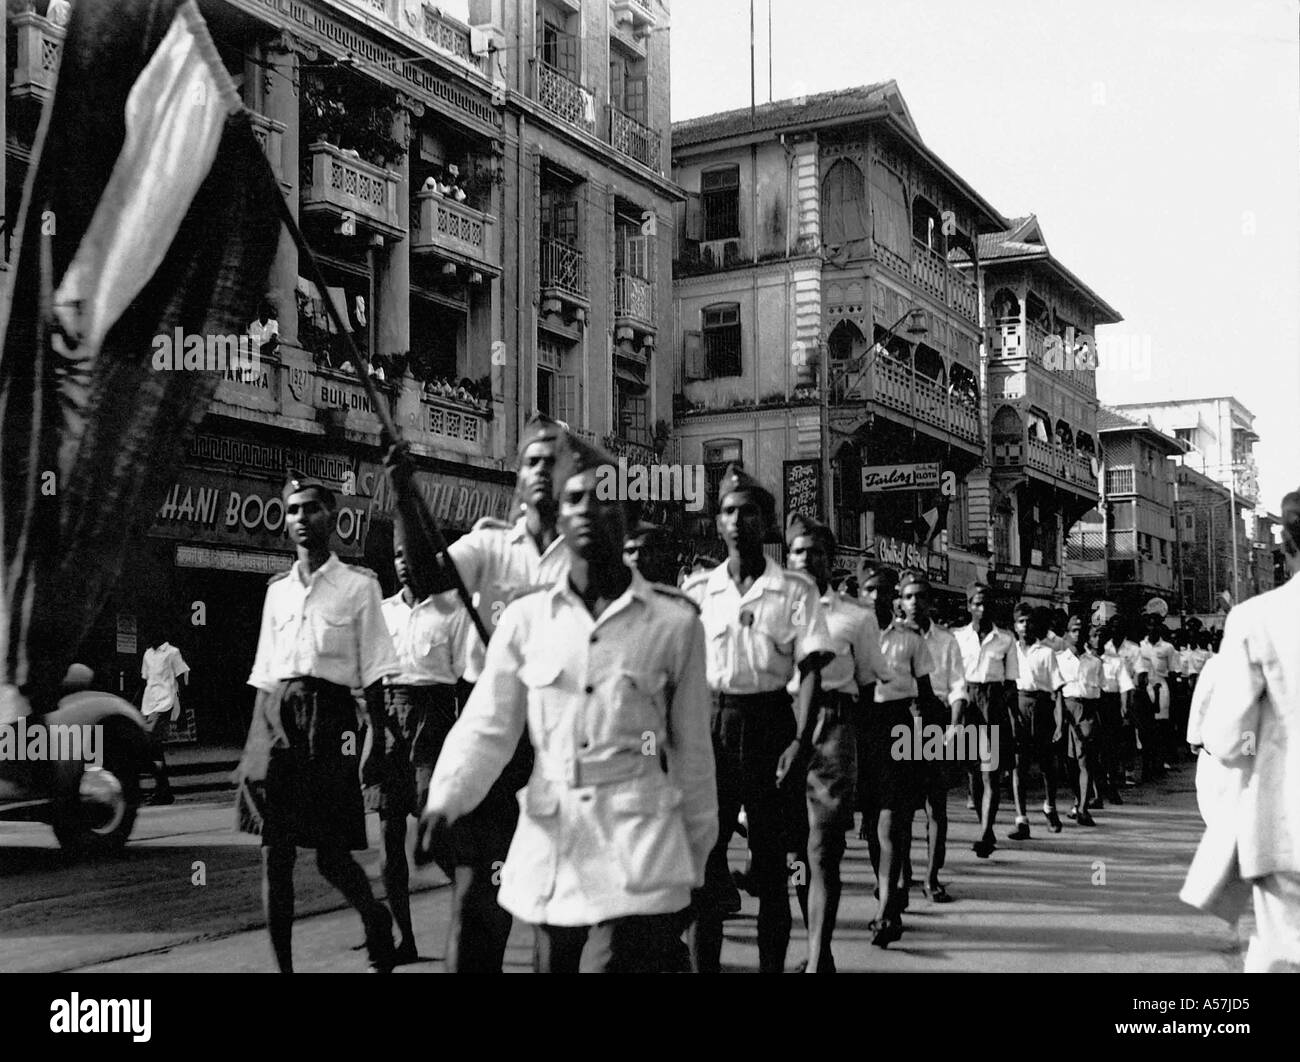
{"x": 1144, "y": 545}
{"x": 1164, "y": 551}
{"x": 1188, "y": 522}
{"x": 1119, "y": 481}
{"x": 559, "y": 47}
{"x": 844, "y": 204}
{"x": 633, "y": 411}
{"x": 557, "y": 391}
{"x": 722, "y": 340}
{"x": 627, "y": 85}
{"x": 891, "y": 222}
{"x": 559, "y": 220}
{"x": 720, "y": 195}
{"x": 1185, "y": 435}
{"x": 546, "y": 391}
{"x": 718, "y": 454}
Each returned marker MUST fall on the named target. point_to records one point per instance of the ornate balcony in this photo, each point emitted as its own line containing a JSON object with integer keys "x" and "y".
{"x": 896, "y": 387}
{"x": 636, "y": 141}
{"x": 454, "y": 426}
{"x": 453, "y": 231}
{"x": 929, "y": 270}
{"x": 565, "y": 98}
{"x": 349, "y": 188}
{"x": 39, "y": 49}
{"x": 445, "y": 34}
{"x": 634, "y": 305}
{"x": 564, "y": 278}
{"x": 635, "y": 14}
{"x": 270, "y": 134}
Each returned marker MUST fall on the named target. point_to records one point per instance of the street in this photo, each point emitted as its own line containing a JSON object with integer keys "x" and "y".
{"x": 1098, "y": 900}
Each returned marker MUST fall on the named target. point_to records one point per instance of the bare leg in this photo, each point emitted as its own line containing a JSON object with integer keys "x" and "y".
{"x": 397, "y": 878}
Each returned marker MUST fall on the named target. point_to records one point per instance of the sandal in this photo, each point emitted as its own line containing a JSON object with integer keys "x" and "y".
{"x": 938, "y": 894}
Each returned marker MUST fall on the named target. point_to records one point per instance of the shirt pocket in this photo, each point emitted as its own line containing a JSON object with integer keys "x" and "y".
{"x": 534, "y": 855}
{"x": 333, "y": 634}
{"x": 648, "y": 835}
{"x": 541, "y": 675}
{"x": 637, "y": 702}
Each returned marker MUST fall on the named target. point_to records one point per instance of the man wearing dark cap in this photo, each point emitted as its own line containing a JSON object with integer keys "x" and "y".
{"x": 499, "y": 561}
{"x": 761, "y": 623}
{"x": 846, "y": 683}
{"x": 322, "y": 636}
{"x": 607, "y": 673}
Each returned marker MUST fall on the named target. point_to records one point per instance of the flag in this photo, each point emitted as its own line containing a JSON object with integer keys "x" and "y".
{"x": 145, "y": 214}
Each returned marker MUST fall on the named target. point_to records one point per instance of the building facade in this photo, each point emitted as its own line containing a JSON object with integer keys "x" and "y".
{"x": 1126, "y": 551}
{"x": 1208, "y": 555}
{"x": 489, "y": 207}
{"x": 1039, "y": 370}
{"x": 811, "y": 232}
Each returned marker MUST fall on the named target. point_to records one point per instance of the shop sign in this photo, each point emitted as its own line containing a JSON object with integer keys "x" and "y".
{"x": 901, "y": 554}
{"x": 454, "y": 501}
{"x": 881, "y": 479}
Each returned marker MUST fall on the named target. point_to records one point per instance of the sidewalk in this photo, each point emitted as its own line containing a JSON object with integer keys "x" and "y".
{"x": 201, "y": 770}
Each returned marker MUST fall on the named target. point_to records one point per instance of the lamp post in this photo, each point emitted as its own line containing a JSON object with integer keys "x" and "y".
{"x": 916, "y": 327}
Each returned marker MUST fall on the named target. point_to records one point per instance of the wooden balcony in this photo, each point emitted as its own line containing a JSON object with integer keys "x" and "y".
{"x": 565, "y": 98}
{"x": 895, "y": 387}
{"x": 929, "y": 271}
{"x": 270, "y": 134}
{"x": 1011, "y": 339}
{"x": 638, "y": 142}
{"x": 454, "y": 232}
{"x": 39, "y": 47}
{"x": 1053, "y": 463}
{"x": 348, "y": 188}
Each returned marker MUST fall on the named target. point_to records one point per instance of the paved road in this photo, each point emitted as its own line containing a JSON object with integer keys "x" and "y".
{"x": 1084, "y": 900}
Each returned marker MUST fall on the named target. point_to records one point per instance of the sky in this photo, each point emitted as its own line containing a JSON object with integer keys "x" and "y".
{"x": 1158, "y": 143}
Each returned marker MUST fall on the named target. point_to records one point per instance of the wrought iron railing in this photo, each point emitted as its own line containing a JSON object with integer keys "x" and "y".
{"x": 633, "y": 297}
{"x": 635, "y": 140}
{"x": 563, "y": 268}
{"x": 565, "y": 98}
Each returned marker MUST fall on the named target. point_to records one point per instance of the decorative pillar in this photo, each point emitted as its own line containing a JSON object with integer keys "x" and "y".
{"x": 278, "y": 92}
{"x": 392, "y": 307}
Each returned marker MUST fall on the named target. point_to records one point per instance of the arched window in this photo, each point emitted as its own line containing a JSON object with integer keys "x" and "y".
{"x": 844, "y": 204}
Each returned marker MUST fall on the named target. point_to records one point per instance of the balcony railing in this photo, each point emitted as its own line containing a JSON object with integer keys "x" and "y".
{"x": 341, "y": 184}
{"x": 634, "y": 298}
{"x": 564, "y": 269}
{"x": 451, "y": 228}
{"x": 39, "y": 48}
{"x": 270, "y": 134}
{"x": 895, "y": 386}
{"x": 457, "y": 427}
{"x": 565, "y": 98}
{"x": 447, "y": 35}
{"x": 634, "y": 140}
{"x": 929, "y": 270}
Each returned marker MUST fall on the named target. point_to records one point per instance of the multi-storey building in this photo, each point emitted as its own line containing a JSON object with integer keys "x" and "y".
{"x": 811, "y": 229}
{"x": 1125, "y": 552}
{"x": 1207, "y": 554}
{"x": 1038, "y": 366}
{"x": 488, "y": 204}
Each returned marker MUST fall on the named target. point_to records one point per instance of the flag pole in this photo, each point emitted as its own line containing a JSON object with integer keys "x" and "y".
{"x": 390, "y": 433}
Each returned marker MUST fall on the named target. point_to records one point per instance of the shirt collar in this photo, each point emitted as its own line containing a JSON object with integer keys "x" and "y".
{"x": 638, "y": 590}
{"x": 520, "y": 534}
{"x": 769, "y": 579}
{"x": 326, "y": 571}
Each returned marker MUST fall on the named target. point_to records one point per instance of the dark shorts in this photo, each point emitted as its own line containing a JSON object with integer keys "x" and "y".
{"x": 417, "y": 720}
{"x": 833, "y": 766}
{"x": 896, "y": 782}
{"x": 298, "y": 781}
{"x": 1033, "y": 722}
{"x": 987, "y": 710}
{"x": 159, "y": 728}
{"x": 1081, "y": 720}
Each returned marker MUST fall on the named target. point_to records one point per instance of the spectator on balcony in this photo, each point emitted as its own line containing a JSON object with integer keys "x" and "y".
{"x": 265, "y": 329}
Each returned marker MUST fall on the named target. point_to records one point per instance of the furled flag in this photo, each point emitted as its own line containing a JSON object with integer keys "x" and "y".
{"x": 145, "y": 214}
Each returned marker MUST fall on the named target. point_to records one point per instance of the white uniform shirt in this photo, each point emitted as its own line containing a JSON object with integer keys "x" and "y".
{"x": 600, "y": 697}
{"x": 331, "y": 627}
{"x": 1038, "y": 670}
{"x": 1196, "y": 660}
{"x": 499, "y": 561}
{"x": 1137, "y": 660}
{"x": 992, "y": 658}
{"x": 908, "y": 658}
{"x": 755, "y": 639}
{"x": 1082, "y": 674}
{"x": 855, "y": 638}
{"x": 430, "y": 638}
{"x": 949, "y": 675}
{"x": 1116, "y": 670}
{"x": 1161, "y": 660}
{"x": 160, "y": 669}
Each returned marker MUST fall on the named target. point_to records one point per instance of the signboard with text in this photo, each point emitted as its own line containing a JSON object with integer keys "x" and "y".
{"x": 802, "y": 488}
{"x": 902, "y": 554}
{"x": 885, "y": 478}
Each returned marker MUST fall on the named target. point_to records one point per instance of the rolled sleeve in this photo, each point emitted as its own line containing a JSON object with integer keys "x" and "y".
{"x": 487, "y": 733}
{"x": 376, "y": 656}
{"x": 869, "y": 661}
{"x": 261, "y": 676}
{"x": 812, "y": 636}
{"x": 691, "y": 766}
{"x": 467, "y": 553}
{"x": 956, "y": 668}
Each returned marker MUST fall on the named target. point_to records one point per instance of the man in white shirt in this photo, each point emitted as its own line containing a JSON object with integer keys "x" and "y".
{"x": 1162, "y": 661}
{"x": 945, "y": 708}
{"x": 322, "y": 636}
{"x": 433, "y": 639}
{"x": 1037, "y": 724}
{"x": 833, "y": 764}
{"x": 1082, "y": 670}
{"x": 604, "y": 674}
{"x": 1252, "y": 724}
{"x": 762, "y": 625}
{"x": 992, "y": 669}
{"x": 162, "y": 668}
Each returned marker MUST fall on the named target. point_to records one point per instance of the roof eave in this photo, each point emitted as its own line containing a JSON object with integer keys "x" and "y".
{"x": 1046, "y": 257}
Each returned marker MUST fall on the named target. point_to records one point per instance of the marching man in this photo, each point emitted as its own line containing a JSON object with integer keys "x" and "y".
{"x": 607, "y": 673}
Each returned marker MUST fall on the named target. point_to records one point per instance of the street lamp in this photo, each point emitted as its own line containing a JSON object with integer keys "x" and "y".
{"x": 916, "y": 328}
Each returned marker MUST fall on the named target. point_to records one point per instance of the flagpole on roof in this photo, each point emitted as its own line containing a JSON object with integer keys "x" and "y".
{"x": 390, "y": 435}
